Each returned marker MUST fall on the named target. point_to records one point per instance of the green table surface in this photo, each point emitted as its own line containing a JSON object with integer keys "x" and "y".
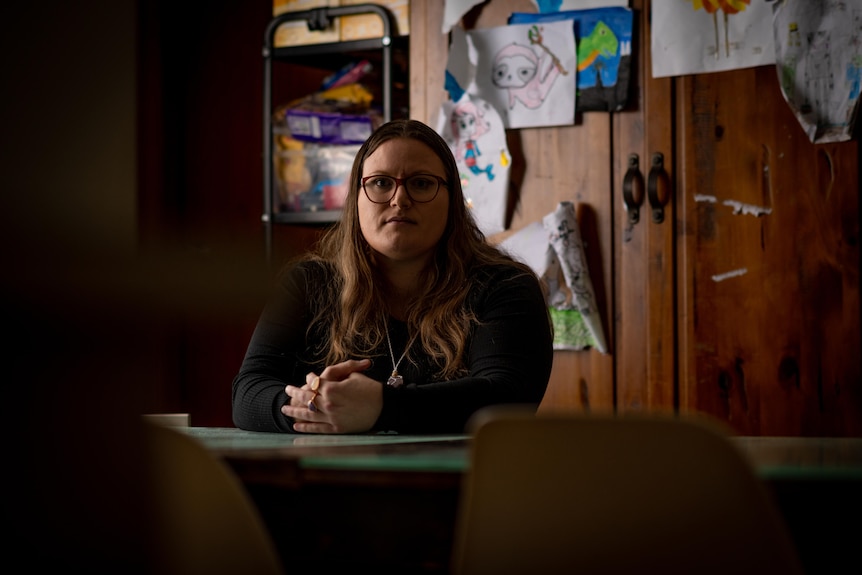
{"x": 772, "y": 457}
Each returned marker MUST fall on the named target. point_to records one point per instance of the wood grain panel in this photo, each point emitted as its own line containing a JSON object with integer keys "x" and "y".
{"x": 644, "y": 257}
{"x": 658, "y": 107}
{"x": 566, "y": 164}
{"x": 771, "y": 263}
{"x": 429, "y": 51}
{"x": 630, "y": 239}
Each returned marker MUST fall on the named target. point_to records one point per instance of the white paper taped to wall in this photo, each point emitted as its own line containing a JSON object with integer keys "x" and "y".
{"x": 554, "y": 249}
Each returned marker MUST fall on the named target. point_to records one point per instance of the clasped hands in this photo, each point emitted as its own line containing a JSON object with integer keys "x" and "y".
{"x": 344, "y": 401}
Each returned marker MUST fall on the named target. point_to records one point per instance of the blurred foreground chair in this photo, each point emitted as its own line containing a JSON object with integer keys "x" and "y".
{"x": 576, "y": 494}
{"x": 204, "y": 522}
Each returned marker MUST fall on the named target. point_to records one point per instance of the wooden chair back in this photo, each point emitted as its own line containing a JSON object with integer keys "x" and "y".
{"x": 204, "y": 521}
{"x": 603, "y": 494}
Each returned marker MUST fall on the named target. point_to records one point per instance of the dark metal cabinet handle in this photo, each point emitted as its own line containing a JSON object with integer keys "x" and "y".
{"x": 633, "y": 198}
{"x": 657, "y": 175}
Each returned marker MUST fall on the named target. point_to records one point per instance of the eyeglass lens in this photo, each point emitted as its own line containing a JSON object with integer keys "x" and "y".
{"x": 420, "y": 187}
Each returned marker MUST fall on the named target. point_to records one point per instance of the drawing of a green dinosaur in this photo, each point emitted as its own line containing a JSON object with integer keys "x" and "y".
{"x": 601, "y": 41}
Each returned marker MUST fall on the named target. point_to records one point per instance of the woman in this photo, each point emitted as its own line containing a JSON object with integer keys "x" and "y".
{"x": 403, "y": 319}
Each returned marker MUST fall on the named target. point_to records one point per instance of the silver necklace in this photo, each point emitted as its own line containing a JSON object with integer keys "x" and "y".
{"x": 396, "y": 380}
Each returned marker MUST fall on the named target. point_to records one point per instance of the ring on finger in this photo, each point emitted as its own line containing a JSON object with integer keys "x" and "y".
{"x": 315, "y": 383}
{"x": 312, "y": 407}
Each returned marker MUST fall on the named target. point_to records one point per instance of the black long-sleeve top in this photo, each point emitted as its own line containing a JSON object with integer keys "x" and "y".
{"x": 509, "y": 357}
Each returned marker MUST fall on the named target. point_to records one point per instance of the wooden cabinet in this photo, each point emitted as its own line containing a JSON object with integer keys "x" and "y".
{"x": 753, "y": 319}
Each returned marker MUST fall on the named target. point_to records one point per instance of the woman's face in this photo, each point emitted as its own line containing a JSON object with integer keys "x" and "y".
{"x": 402, "y": 230}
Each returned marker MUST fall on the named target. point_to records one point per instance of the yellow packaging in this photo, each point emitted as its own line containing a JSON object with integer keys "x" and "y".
{"x": 365, "y": 26}
{"x": 297, "y": 33}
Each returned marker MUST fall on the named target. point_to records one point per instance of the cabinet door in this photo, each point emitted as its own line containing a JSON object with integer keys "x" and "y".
{"x": 644, "y": 256}
{"x": 769, "y": 318}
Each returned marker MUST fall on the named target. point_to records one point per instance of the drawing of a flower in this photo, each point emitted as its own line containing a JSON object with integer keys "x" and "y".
{"x": 727, "y": 7}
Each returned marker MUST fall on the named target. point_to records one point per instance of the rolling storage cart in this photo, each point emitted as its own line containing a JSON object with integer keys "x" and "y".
{"x": 332, "y": 56}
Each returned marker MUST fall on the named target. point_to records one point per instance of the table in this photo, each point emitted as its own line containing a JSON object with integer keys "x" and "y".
{"x": 388, "y": 502}
{"x": 382, "y": 501}
{"x": 292, "y": 460}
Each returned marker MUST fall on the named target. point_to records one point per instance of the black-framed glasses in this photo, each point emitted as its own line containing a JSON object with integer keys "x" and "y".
{"x": 421, "y": 188}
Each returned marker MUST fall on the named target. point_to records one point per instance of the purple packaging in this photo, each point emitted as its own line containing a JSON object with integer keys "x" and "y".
{"x": 328, "y": 127}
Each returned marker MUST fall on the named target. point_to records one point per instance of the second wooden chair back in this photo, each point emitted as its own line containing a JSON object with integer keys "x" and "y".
{"x": 578, "y": 494}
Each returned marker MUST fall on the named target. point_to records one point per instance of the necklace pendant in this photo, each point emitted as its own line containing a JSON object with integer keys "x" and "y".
{"x": 395, "y": 380}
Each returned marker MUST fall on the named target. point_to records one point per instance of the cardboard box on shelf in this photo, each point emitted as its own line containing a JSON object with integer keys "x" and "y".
{"x": 297, "y": 33}
{"x": 364, "y": 26}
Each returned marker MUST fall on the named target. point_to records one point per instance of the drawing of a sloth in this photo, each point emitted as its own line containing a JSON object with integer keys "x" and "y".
{"x": 526, "y": 76}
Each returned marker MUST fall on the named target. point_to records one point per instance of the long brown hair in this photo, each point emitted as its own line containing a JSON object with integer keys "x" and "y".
{"x": 351, "y": 310}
